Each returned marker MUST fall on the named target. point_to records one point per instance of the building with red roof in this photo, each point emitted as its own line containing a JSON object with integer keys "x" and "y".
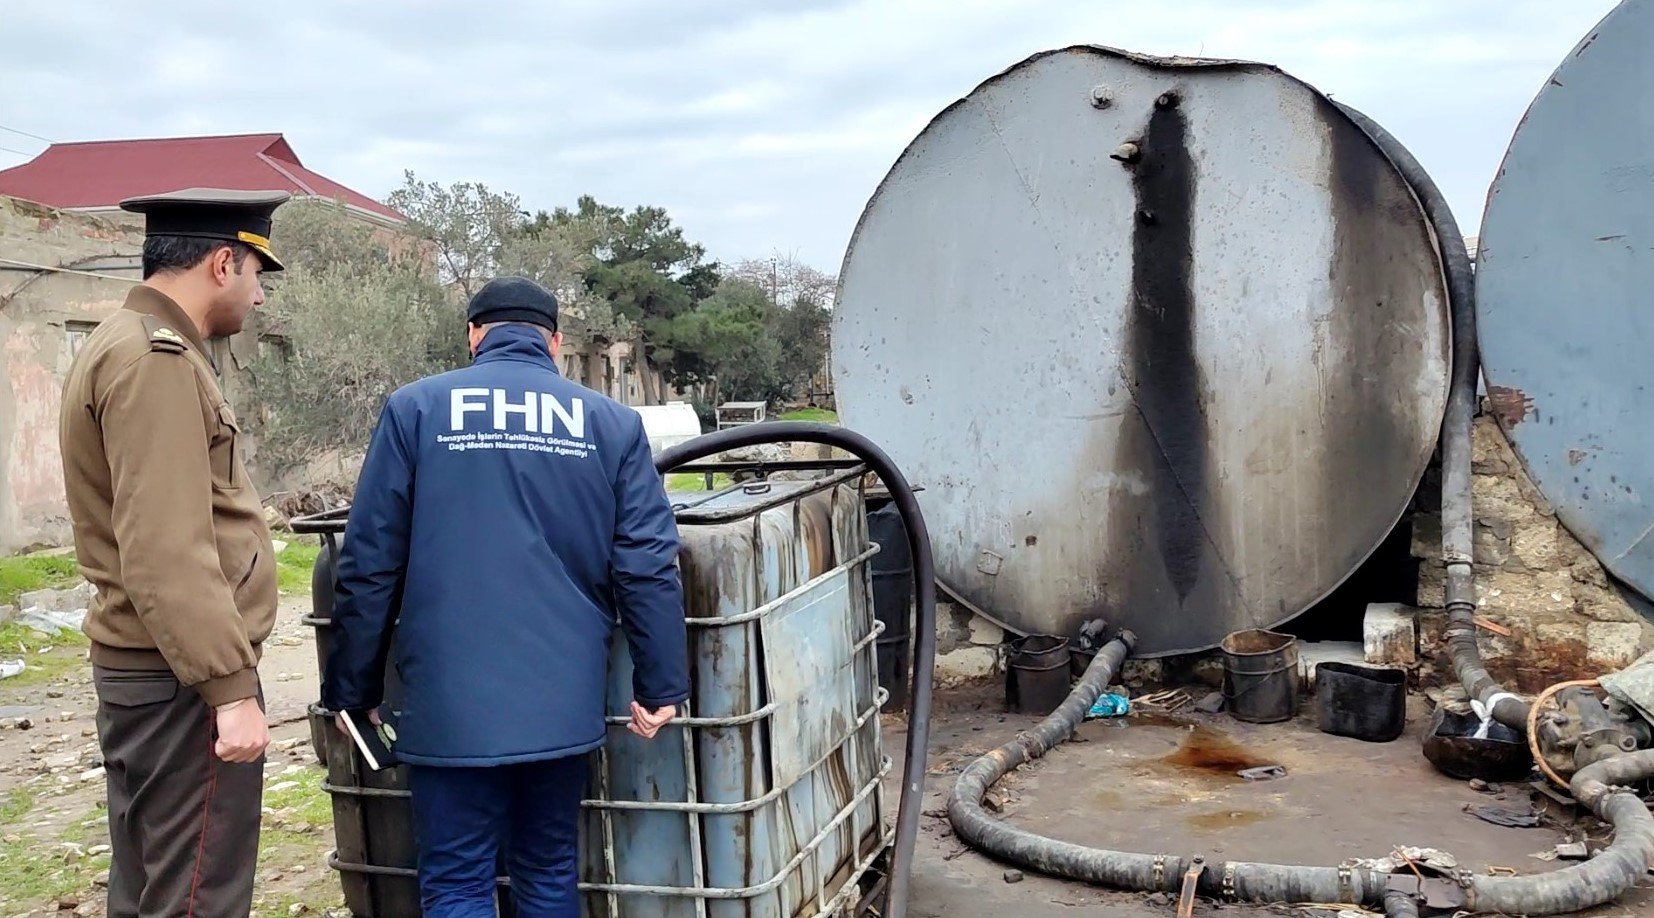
{"x": 95, "y": 176}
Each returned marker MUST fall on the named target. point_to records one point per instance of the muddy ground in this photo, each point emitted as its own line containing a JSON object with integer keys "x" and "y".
{"x": 1159, "y": 784}
{"x": 1143, "y": 783}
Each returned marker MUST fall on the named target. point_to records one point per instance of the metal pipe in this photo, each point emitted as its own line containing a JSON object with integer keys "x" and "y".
{"x": 924, "y": 586}
{"x": 1458, "y": 517}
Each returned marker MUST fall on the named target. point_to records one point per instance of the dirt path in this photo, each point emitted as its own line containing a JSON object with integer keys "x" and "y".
{"x": 53, "y": 829}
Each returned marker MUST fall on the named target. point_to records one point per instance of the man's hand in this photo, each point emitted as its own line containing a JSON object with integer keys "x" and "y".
{"x": 242, "y": 732}
{"x": 646, "y": 723}
{"x": 339, "y": 721}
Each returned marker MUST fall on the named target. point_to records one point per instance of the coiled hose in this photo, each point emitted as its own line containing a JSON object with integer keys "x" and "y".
{"x": 1602, "y": 879}
{"x": 924, "y": 592}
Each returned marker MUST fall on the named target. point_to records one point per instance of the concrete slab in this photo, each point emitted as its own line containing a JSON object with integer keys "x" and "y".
{"x": 1159, "y": 785}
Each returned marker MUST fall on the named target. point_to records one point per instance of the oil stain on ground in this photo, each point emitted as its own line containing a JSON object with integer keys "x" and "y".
{"x": 1207, "y": 751}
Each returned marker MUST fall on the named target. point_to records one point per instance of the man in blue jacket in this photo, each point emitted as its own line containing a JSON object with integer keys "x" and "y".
{"x": 506, "y": 519}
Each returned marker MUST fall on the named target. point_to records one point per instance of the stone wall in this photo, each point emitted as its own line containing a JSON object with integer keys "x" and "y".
{"x": 43, "y": 315}
{"x": 1565, "y": 619}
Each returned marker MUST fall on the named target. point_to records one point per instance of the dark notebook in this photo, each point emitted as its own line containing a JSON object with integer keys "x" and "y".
{"x": 375, "y": 742}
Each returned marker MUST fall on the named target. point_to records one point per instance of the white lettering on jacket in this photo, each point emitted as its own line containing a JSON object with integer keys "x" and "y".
{"x": 541, "y": 412}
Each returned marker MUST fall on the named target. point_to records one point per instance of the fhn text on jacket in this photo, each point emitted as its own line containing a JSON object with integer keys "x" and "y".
{"x": 506, "y": 520}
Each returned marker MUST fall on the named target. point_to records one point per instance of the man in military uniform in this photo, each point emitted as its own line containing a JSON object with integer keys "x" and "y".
{"x": 172, "y": 533}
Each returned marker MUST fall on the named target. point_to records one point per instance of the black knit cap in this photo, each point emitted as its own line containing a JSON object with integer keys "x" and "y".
{"x": 513, "y": 299}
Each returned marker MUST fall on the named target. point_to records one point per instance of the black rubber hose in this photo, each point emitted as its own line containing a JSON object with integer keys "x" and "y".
{"x": 1400, "y": 905}
{"x": 1623, "y": 863}
{"x": 924, "y": 591}
{"x": 973, "y": 824}
{"x": 1602, "y": 879}
{"x": 1120, "y": 869}
{"x": 1458, "y": 517}
{"x": 1608, "y": 874}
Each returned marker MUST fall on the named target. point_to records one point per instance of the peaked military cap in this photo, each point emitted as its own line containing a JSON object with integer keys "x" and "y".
{"x": 213, "y": 213}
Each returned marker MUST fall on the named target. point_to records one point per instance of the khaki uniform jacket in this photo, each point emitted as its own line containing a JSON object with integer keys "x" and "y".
{"x": 167, "y": 525}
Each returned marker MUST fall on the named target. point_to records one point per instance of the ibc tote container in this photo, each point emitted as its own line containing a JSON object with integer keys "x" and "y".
{"x": 763, "y": 798}
{"x": 767, "y": 801}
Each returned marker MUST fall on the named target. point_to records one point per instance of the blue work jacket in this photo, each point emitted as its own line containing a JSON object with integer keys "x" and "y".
{"x": 506, "y": 521}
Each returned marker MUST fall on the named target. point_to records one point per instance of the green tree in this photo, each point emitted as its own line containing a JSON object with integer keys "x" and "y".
{"x": 740, "y": 344}
{"x": 643, "y": 270}
{"x": 359, "y": 312}
{"x": 467, "y": 224}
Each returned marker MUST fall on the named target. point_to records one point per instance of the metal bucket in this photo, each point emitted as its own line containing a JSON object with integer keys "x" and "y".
{"x": 1079, "y": 661}
{"x": 1260, "y": 676}
{"x": 1365, "y": 702}
{"x": 1036, "y": 681}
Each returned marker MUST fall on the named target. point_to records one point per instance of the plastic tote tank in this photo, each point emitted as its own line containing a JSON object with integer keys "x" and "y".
{"x": 765, "y": 799}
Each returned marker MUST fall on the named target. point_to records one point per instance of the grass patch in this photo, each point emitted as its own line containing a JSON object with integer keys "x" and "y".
{"x": 47, "y": 658}
{"x": 21, "y": 574}
{"x": 297, "y": 830}
{"x": 17, "y": 804}
{"x": 36, "y": 872}
{"x": 323, "y": 896}
{"x": 294, "y": 564}
{"x": 820, "y": 415}
{"x": 696, "y": 481}
{"x": 303, "y": 803}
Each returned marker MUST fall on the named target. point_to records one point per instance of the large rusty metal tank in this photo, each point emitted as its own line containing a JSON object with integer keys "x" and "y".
{"x": 1565, "y": 292}
{"x": 1165, "y": 341}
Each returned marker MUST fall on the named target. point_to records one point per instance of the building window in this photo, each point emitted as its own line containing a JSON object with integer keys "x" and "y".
{"x": 77, "y": 333}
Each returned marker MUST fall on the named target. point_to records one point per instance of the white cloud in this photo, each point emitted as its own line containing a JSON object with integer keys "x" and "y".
{"x": 760, "y": 126}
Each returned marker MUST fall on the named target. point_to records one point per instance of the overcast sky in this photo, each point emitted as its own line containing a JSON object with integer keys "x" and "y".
{"x": 761, "y": 126}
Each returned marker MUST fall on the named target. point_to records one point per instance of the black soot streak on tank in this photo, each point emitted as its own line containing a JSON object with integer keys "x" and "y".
{"x": 1160, "y": 344}
{"x": 1369, "y": 355}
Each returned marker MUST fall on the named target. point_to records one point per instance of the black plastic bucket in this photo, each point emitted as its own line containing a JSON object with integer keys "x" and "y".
{"x": 1260, "y": 676}
{"x": 1365, "y": 702}
{"x": 1036, "y": 681}
{"x": 1451, "y": 744}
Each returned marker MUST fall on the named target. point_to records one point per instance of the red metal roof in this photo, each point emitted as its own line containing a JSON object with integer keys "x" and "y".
{"x": 100, "y": 174}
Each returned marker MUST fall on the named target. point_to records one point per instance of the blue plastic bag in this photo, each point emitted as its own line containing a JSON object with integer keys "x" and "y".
{"x": 1108, "y": 705}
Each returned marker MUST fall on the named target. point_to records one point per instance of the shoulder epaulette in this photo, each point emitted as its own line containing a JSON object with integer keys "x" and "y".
{"x": 162, "y": 338}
